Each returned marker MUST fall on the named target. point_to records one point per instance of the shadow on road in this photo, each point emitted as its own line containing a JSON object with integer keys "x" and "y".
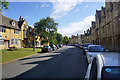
{"x": 39, "y": 57}
{"x": 68, "y": 64}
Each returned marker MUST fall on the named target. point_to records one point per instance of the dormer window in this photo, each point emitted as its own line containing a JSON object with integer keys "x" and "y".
{"x": 13, "y": 23}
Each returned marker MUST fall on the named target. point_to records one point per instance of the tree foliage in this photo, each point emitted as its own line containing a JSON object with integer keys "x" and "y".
{"x": 66, "y": 40}
{"x": 47, "y": 28}
{"x": 59, "y": 38}
{"x": 3, "y": 4}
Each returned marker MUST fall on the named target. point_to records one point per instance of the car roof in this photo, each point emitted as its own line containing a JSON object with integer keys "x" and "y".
{"x": 94, "y": 45}
{"x": 88, "y": 43}
{"x": 110, "y": 58}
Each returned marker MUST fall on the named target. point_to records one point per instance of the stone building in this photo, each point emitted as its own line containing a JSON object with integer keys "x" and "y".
{"x": 98, "y": 31}
{"x": 112, "y": 11}
{"x": 75, "y": 39}
{"x": 105, "y": 30}
{"x": 16, "y": 33}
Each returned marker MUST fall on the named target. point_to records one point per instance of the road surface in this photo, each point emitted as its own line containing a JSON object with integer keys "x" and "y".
{"x": 66, "y": 62}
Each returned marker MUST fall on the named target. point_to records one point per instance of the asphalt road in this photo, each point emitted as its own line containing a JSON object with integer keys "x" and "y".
{"x": 66, "y": 62}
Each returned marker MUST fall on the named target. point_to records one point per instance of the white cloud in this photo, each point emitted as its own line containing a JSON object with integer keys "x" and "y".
{"x": 45, "y": 5}
{"x": 77, "y": 27}
{"x": 62, "y": 7}
{"x": 31, "y": 26}
{"x": 77, "y": 10}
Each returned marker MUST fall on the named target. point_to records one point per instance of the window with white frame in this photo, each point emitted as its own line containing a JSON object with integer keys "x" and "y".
{"x": 2, "y": 29}
{"x": 23, "y": 32}
{"x": 16, "y": 31}
{"x": 14, "y": 41}
{"x": 1, "y": 41}
{"x": 24, "y": 26}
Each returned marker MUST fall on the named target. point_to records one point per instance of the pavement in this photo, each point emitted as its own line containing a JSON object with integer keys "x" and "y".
{"x": 66, "y": 62}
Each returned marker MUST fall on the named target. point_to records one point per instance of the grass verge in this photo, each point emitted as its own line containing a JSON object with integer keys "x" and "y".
{"x": 19, "y": 53}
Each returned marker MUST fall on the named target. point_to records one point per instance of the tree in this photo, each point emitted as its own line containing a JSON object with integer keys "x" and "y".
{"x": 4, "y": 4}
{"x": 59, "y": 38}
{"x": 46, "y": 28}
{"x": 66, "y": 40}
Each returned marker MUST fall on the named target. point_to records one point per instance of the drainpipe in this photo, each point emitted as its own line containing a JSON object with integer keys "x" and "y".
{"x": 113, "y": 31}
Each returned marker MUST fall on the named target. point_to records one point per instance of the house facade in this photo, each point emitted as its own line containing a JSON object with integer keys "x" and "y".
{"x": 10, "y": 34}
{"x": 17, "y": 34}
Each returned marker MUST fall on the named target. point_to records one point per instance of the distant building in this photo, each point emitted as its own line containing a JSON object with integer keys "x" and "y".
{"x": 75, "y": 39}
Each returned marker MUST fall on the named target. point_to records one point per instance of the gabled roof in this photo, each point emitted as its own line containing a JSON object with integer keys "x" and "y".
{"x": 98, "y": 14}
{"x": 20, "y": 23}
{"x": 7, "y": 22}
{"x": 103, "y": 9}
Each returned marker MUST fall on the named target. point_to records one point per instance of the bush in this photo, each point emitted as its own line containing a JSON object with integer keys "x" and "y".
{"x": 12, "y": 48}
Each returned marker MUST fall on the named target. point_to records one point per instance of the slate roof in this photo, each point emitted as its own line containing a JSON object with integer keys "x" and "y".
{"x": 7, "y": 22}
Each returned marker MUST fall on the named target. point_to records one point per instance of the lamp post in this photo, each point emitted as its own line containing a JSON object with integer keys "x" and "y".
{"x": 34, "y": 40}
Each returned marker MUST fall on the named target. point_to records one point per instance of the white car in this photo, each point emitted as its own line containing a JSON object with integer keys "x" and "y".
{"x": 85, "y": 46}
{"x": 104, "y": 67}
{"x": 92, "y": 51}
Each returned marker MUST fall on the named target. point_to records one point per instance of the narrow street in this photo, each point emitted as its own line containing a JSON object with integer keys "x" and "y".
{"x": 66, "y": 62}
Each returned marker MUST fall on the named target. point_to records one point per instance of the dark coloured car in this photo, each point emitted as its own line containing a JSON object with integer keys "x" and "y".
{"x": 85, "y": 46}
{"x": 53, "y": 47}
{"x": 57, "y": 46}
{"x": 46, "y": 49}
{"x": 61, "y": 45}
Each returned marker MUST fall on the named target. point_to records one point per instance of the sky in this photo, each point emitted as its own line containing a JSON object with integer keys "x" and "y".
{"x": 73, "y": 17}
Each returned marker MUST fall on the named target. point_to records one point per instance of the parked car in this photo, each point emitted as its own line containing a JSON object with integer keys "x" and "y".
{"x": 61, "y": 45}
{"x": 104, "y": 67}
{"x": 92, "y": 51}
{"x": 53, "y": 47}
{"x": 81, "y": 46}
{"x": 76, "y": 45}
{"x": 46, "y": 49}
{"x": 57, "y": 46}
{"x": 85, "y": 46}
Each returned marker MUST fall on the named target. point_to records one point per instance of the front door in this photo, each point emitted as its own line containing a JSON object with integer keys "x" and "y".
{"x": 19, "y": 43}
{"x": 7, "y": 44}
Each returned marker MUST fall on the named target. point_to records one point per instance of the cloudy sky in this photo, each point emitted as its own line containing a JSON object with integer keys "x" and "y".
{"x": 73, "y": 16}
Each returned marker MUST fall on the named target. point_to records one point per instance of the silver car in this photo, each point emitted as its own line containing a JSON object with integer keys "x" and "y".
{"x": 104, "y": 66}
{"x": 92, "y": 51}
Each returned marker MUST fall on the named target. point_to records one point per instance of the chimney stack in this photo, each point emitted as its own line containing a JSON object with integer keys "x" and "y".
{"x": 21, "y": 19}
